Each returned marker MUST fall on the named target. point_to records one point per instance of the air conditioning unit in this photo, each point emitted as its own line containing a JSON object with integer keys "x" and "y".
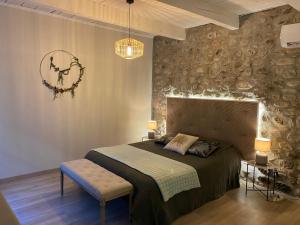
{"x": 290, "y": 36}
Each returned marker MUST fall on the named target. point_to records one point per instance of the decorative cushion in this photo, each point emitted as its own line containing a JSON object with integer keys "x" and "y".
{"x": 164, "y": 140}
{"x": 181, "y": 143}
{"x": 203, "y": 148}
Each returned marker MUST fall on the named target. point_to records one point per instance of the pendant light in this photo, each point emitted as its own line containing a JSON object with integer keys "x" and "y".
{"x": 129, "y": 48}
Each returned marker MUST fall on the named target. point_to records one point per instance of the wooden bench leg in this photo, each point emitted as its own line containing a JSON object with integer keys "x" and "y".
{"x": 102, "y": 212}
{"x": 130, "y": 204}
{"x": 61, "y": 183}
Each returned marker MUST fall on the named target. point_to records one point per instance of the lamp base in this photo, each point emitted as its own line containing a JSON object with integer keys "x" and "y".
{"x": 261, "y": 159}
{"x": 151, "y": 135}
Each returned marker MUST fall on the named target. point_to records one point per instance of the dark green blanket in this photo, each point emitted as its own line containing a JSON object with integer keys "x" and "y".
{"x": 217, "y": 174}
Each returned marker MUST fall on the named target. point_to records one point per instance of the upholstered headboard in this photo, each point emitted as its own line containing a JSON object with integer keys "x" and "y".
{"x": 230, "y": 121}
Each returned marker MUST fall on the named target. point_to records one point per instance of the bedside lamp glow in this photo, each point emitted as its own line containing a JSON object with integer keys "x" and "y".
{"x": 262, "y": 147}
{"x": 152, "y": 126}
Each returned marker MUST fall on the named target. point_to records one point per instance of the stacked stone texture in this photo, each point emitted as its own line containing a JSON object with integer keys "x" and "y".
{"x": 245, "y": 63}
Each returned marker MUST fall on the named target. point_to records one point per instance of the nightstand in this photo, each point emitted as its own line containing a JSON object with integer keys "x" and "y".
{"x": 271, "y": 174}
{"x": 145, "y": 138}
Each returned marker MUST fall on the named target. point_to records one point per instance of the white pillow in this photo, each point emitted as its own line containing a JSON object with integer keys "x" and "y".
{"x": 181, "y": 143}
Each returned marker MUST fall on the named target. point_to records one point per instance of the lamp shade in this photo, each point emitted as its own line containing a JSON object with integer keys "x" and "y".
{"x": 129, "y": 48}
{"x": 262, "y": 145}
{"x": 152, "y": 125}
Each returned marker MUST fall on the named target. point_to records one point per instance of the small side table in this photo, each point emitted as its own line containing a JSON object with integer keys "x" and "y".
{"x": 272, "y": 174}
{"x": 145, "y": 138}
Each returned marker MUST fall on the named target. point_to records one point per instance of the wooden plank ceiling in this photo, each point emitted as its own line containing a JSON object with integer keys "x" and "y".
{"x": 168, "y": 18}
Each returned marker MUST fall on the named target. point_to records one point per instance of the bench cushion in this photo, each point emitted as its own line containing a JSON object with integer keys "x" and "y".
{"x": 7, "y": 217}
{"x": 99, "y": 182}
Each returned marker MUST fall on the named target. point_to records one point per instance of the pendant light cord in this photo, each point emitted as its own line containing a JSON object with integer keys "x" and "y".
{"x": 129, "y": 22}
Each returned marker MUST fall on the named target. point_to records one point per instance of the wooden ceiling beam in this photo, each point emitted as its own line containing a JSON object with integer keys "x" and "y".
{"x": 295, "y": 4}
{"x": 211, "y": 12}
{"x": 95, "y": 11}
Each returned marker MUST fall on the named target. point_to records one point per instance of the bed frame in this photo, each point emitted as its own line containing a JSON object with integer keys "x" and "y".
{"x": 234, "y": 122}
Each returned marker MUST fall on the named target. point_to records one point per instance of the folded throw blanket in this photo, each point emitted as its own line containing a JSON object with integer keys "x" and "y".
{"x": 171, "y": 176}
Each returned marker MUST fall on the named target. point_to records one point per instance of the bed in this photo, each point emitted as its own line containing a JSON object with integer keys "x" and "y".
{"x": 231, "y": 122}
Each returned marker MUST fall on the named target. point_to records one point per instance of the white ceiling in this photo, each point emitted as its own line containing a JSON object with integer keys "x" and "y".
{"x": 152, "y": 9}
{"x": 167, "y": 18}
{"x": 242, "y": 7}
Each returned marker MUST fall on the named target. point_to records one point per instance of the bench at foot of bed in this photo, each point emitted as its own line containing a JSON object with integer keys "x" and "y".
{"x": 97, "y": 181}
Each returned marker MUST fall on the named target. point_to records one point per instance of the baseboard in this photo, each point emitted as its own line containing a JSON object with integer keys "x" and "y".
{"x": 10, "y": 179}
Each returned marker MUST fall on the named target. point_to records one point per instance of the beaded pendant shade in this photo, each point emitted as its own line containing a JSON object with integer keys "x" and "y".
{"x": 129, "y": 48}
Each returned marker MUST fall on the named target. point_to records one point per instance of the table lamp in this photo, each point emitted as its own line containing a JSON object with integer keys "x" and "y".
{"x": 262, "y": 147}
{"x": 152, "y": 126}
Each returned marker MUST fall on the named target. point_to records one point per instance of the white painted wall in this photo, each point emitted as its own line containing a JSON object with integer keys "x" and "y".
{"x": 111, "y": 106}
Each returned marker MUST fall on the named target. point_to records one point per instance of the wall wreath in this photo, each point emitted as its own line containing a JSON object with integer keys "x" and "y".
{"x": 61, "y": 72}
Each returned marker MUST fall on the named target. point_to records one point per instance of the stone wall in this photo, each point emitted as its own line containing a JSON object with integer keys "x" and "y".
{"x": 246, "y": 63}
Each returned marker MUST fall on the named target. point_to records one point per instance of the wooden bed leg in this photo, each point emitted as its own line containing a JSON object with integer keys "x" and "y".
{"x": 61, "y": 183}
{"x": 102, "y": 212}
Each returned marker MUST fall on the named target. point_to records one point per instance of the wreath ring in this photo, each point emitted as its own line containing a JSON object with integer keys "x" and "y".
{"x": 59, "y": 90}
